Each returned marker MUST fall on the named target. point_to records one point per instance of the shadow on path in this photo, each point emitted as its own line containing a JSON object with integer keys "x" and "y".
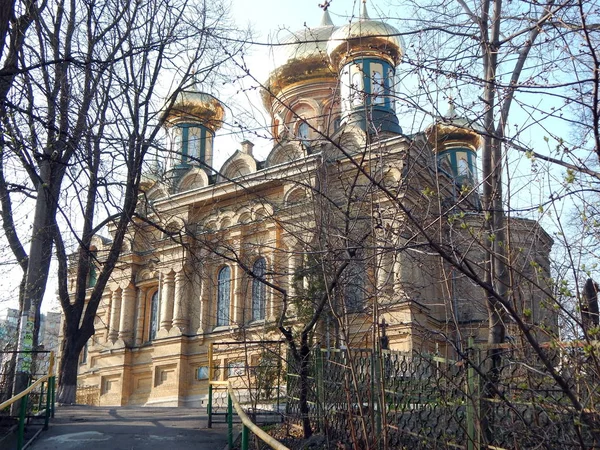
{"x": 110, "y": 428}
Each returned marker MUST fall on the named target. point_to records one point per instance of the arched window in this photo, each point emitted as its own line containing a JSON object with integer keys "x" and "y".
{"x": 92, "y": 277}
{"x": 336, "y": 124}
{"x": 259, "y": 297}
{"x": 154, "y": 322}
{"x": 176, "y": 149}
{"x": 357, "y": 88}
{"x": 223, "y": 296}
{"x": 378, "y": 88}
{"x": 463, "y": 166}
{"x": 194, "y": 144}
{"x": 303, "y": 131}
{"x": 354, "y": 286}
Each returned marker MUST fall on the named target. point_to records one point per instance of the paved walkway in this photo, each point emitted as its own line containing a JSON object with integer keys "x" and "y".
{"x": 128, "y": 428}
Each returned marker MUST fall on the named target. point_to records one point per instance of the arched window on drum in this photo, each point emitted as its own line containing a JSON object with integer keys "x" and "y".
{"x": 259, "y": 291}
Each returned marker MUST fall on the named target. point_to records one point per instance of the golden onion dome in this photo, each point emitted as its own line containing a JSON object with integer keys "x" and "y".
{"x": 301, "y": 56}
{"x": 195, "y": 106}
{"x": 450, "y": 131}
{"x": 365, "y": 38}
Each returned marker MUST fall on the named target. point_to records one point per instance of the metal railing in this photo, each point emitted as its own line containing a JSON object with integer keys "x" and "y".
{"x": 48, "y": 381}
{"x": 247, "y": 425}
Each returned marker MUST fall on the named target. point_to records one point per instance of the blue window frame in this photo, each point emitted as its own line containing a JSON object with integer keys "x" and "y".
{"x": 223, "y": 296}
{"x": 259, "y": 293}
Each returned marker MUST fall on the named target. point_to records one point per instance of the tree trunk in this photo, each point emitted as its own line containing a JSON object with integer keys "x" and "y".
{"x": 67, "y": 372}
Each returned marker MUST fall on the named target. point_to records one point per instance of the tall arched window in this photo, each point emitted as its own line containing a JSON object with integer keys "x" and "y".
{"x": 354, "y": 286}
{"x": 223, "y": 296}
{"x": 357, "y": 88}
{"x": 378, "y": 88}
{"x": 154, "y": 313}
{"x": 259, "y": 297}
{"x": 92, "y": 277}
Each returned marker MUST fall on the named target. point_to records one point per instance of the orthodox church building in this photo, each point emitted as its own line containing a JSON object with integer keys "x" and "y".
{"x": 345, "y": 208}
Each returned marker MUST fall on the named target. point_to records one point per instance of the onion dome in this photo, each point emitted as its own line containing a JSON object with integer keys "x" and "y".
{"x": 196, "y": 107}
{"x": 301, "y": 56}
{"x": 365, "y": 38}
{"x": 450, "y": 131}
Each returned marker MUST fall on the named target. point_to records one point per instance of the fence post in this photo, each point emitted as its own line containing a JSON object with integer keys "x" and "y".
{"x": 244, "y": 437}
{"x": 287, "y": 382}
{"x": 319, "y": 386}
{"x": 41, "y": 396}
{"x": 375, "y": 382}
{"x": 21, "y": 431}
{"x": 53, "y": 391}
{"x": 48, "y": 398}
{"x": 279, "y": 365}
{"x": 209, "y": 407}
{"x": 229, "y": 422}
{"x": 470, "y": 400}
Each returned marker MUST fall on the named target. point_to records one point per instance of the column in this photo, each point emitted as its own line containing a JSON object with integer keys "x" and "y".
{"x": 180, "y": 307}
{"x": 385, "y": 271}
{"x": 166, "y": 301}
{"x": 115, "y": 315}
{"x": 291, "y": 274}
{"x": 204, "y": 296}
{"x": 127, "y": 312}
{"x": 140, "y": 316}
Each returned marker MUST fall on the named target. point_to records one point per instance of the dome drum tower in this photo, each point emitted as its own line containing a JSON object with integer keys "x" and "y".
{"x": 192, "y": 122}
{"x": 366, "y": 54}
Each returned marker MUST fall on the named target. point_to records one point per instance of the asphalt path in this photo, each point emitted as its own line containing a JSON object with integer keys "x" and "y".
{"x": 128, "y": 428}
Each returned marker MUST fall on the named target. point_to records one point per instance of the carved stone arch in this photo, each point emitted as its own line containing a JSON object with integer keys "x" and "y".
{"x": 157, "y": 192}
{"x": 243, "y": 215}
{"x": 127, "y": 246}
{"x": 285, "y": 153}
{"x": 174, "y": 226}
{"x": 262, "y": 211}
{"x": 305, "y": 112}
{"x": 97, "y": 243}
{"x": 352, "y": 139}
{"x": 297, "y": 110}
{"x": 331, "y": 114}
{"x": 145, "y": 275}
{"x": 211, "y": 224}
{"x": 277, "y": 126}
{"x": 295, "y": 195}
{"x": 226, "y": 219}
{"x": 238, "y": 165}
{"x": 195, "y": 178}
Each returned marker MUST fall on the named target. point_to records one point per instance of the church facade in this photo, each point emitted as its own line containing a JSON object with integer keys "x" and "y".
{"x": 346, "y": 208}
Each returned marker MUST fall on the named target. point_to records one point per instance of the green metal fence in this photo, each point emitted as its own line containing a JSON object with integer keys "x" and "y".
{"x": 392, "y": 400}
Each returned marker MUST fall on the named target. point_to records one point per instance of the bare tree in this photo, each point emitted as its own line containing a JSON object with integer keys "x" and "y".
{"x": 80, "y": 123}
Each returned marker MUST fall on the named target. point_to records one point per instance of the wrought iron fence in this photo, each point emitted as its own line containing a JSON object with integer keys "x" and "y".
{"x": 396, "y": 400}
{"x": 88, "y": 395}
